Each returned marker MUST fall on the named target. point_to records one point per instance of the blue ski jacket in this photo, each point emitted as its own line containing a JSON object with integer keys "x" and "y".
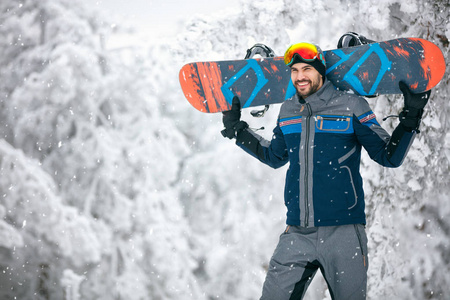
{"x": 322, "y": 139}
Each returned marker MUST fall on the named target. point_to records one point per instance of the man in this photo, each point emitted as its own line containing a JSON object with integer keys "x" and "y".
{"x": 320, "y": 132}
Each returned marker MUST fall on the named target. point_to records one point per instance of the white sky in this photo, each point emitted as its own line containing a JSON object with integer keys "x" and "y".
{"x": 159, "y": 18}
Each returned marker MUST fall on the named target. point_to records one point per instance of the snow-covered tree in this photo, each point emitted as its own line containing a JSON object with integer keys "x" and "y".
{"x": 88, "y": 160}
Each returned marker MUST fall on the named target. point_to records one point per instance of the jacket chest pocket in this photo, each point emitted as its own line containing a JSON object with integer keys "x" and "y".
{"x": 341, "y": 124}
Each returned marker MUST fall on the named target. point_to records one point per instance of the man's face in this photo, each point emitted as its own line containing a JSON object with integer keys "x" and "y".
{"x": 306, "y": 79}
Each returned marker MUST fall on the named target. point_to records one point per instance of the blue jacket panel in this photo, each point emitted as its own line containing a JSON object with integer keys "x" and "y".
{"x": 322, "y": 140}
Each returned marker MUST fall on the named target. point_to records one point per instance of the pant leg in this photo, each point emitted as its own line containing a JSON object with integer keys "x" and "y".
{"x": 343, "y": 259}
{"x": 292, "y": 266}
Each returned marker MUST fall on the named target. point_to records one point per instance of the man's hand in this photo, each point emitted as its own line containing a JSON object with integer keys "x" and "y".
{"x": 411, "y": 114}
{"x": 417, "y": 101}
{"x": 232, "y": 120}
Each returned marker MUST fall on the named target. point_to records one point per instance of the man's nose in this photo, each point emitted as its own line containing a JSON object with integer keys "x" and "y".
{"x": 299, "y": 76}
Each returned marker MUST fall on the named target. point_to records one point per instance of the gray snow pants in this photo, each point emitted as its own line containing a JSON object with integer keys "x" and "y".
{"x": 340, "y": 252}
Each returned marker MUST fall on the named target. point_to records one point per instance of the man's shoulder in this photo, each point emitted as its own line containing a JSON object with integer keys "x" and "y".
{"x": 353, "y": 101}
{"x": 350, "y": 95}
{"x": 290, "y": 104}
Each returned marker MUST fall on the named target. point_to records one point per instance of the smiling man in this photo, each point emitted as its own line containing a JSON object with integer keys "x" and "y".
{"x": 307, "y": 77}
{"x": 320, "y": 132}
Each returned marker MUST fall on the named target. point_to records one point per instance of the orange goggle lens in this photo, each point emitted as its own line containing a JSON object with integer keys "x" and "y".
{"x": 308, "y": 52}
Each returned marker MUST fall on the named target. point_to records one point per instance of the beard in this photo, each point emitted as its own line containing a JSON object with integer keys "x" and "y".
{"x": 313, "y": 88}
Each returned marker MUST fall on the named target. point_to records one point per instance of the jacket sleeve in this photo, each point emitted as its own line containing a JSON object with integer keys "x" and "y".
{"x": 273, "y": 153}
{"x": 388, "y": 151}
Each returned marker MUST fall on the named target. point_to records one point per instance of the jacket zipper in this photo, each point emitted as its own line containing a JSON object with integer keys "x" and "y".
{"x": 308, "y": 127}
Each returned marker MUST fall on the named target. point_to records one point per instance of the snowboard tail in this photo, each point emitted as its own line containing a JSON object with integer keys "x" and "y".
{"x": 203, "y": 81}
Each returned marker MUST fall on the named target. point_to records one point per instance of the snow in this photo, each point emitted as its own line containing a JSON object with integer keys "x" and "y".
{"x": 113, "y": 185}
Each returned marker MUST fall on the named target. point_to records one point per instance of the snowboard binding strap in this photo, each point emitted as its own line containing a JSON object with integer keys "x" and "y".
{"x": 261, "y": 49}
{"x": 351, "y": 39}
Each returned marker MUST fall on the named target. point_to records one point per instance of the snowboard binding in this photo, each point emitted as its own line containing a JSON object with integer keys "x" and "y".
{"x": 351, "y": 39}
{"x": 259, "y": 49}
{"x": 263, "y": 51}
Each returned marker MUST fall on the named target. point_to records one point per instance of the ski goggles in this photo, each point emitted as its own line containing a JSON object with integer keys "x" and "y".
{"x": 307, "y": 52}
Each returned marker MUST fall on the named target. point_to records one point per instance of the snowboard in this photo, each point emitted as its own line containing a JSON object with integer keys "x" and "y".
{"x": 366, "y": 70}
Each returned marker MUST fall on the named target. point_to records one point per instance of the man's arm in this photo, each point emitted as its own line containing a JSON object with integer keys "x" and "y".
{"x": 273, "y": 153}
{"x": 390, "y": 151}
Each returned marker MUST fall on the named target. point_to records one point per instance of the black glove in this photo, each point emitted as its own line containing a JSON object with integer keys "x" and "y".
{"x": 411, "y": 115}
{"x": 232, "y": 120}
